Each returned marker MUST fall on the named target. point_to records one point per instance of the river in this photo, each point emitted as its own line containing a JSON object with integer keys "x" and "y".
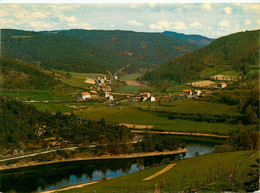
{"x": 58, "y": 175}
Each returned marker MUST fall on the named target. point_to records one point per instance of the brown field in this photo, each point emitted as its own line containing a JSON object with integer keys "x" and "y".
{"x": 132, "y": 82}
{"x": 90, "y": 81}
{"x": 204, "y": 83}
{"x": 223, "y": 77}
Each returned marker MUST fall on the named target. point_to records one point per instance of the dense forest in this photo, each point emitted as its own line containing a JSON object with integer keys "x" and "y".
{"x": 148, "y": 50}
{"x": 60, "y": 52}
{"x": 194, "y": 39}
{"x": 233, "y": 52}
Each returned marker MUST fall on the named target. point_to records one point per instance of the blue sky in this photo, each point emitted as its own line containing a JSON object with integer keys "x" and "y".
{"x": 211, "y": 20}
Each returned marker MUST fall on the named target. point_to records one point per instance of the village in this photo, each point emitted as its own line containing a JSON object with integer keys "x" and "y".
{"x": 102, "y": 88}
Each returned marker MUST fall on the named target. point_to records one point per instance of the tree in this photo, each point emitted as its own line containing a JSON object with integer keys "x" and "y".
{"x": 251, "y": 115}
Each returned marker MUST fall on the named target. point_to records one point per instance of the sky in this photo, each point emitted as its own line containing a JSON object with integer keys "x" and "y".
{"x": 207, "y": 19}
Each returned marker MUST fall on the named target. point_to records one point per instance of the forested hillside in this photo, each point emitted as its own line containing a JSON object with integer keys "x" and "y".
{"x": 237, "y": 52}
{"x": 149, "y": 50}
{"x": 194, "y": 39}
{"x": 20, "y": 75}
{"x": 60, "y": 52}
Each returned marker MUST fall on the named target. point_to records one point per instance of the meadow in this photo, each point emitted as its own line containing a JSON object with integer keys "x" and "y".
{"x": 212, "y": 172}
{"x": 125, "y": 114}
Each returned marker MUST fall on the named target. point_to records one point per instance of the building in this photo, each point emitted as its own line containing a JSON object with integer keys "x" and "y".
{"x": 85, "y": 95}
{"x": 222, "y": 85}
{"x": 152, "y": 99}
{"x": 107, "y": 94}
{"x": 146, "y": 94}
{"x": 136, "y": 99}
{"x": 111, "y": 97}
{"x": 198, "y": 92}
{"x": 187, "y": 92}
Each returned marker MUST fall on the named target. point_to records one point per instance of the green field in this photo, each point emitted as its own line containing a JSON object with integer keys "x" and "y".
{"x": 52, "y": 107}
{"x": 132, "y": 76}
{"x": 192, "y": 107}
{"x": 77, "y": 80}
{"x": 188, "y": 174}
{"x": 124, "y": 114}
{"x": 28, "y": 94}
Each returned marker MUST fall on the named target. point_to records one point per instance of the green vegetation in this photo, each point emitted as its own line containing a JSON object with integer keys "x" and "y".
{"x": 132, "y": 76}
{"x": 147, "y": 50}
{"x": 159, "y": 121}
{"x": 25, "y": 129}
{"x": 77, "y": 80}
{"x": 236, "y": 52}
{"x": 60, "y": 52}
{"x": 210, "y": 173}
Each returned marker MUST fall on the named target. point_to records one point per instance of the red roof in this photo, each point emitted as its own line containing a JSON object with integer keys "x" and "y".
{"x": 85, "y": 93}
{"x": 187, "y": 91}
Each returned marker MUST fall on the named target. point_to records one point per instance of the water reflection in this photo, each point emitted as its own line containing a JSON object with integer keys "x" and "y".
{"x": 53, "y": 176}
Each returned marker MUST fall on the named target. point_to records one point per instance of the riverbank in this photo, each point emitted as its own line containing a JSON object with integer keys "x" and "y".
{"x": 75, "y": 186}
{"x": 181, "y": 133}
{"x": 120, "y": 156}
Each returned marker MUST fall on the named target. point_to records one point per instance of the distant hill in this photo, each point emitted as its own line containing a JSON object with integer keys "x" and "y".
{"x": 194, "y": 39}
{"x": 60, "y": 52}
{"x": 237, "y": 52}
{"x": 148, "y": 50}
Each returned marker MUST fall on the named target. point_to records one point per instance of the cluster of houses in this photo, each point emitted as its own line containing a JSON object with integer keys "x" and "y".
{"x": 145, "y": 96}
{"x": 104, "y": 85}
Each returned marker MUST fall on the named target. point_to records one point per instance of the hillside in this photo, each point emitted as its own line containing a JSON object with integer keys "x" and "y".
{"x": 149, "y": 50}
{"x": 194, "y": 39}
{"x": 20, "y": 75}
{"x": 236, "y": 52}
{"x": 60, "y": 52}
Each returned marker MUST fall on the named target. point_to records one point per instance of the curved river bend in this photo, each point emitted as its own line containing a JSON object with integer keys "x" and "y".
{"x": 58, "y": 175}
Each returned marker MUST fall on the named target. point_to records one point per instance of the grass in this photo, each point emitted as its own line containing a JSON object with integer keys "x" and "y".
{"x": 193, "y": 107}
{"x": 207, "y": 72}
{"x": 193, "y": 169}
{"x": 230, "y": 73}
{"x": 124, "y": 114}
{"x": 28, "y": 94}
{"x": 52, "y": 107}
{"x": 132, "y": 76}
{"x": 77, "y": 80}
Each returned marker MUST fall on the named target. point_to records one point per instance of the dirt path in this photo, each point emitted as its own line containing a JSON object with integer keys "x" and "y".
{"x": 137, "y": 126}
{"x": 182, "y": 133}
{"x": 74, "y": 186}
{"x": 160, "y": 172}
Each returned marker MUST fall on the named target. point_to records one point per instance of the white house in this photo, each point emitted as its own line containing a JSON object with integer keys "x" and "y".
{"x": 85, "y": 95}
{"x": 107, "y": 94}
{"x": 198, "y": 92}
{"x": 152, "y": 98}
{"x": 111, "y": 97}
{"x": 222, "y": 85}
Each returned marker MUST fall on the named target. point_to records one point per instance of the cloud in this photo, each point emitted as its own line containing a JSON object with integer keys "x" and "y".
{"x": 227, "y": 10}
{"x": 248, "y": 22}
{"x": 224, "y": 23}
{"x": 258, "y": 21}
{"x": 38, "y": 15}
{"x": 134, "y": 23}
{"x": 196, "y": 24}
{"x": 67, "y": 19}
{"x": 206, "y": 6}
{"x": 82, "y": 25}
{"x": 166, "y": 25}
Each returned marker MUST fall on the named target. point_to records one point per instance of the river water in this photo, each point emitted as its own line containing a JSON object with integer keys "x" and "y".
{"x": 58, "y": 175}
